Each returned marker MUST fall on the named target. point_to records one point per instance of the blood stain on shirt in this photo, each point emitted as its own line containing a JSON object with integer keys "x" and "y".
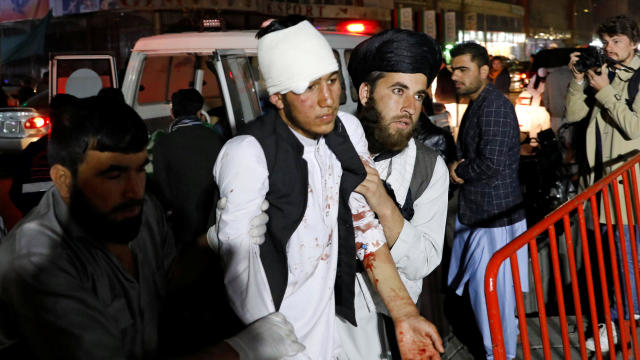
{"x": 365, "y": 227}
{"x": 359, "y": 216}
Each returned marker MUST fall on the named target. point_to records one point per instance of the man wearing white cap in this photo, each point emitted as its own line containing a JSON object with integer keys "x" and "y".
{"x": 304, "y": 159}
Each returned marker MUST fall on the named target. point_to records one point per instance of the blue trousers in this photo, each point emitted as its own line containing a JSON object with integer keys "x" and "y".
{"x": 622, "y": 270}
{"x": 471, "y": 252}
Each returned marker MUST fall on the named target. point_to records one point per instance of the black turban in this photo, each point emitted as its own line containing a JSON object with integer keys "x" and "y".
{"x": 395, "y": 50}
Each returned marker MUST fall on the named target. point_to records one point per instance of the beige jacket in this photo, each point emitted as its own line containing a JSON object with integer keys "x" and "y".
{"x": 619, "y": 126}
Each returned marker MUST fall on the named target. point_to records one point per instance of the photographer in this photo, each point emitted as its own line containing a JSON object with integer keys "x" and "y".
{"x": 613, "y": 125}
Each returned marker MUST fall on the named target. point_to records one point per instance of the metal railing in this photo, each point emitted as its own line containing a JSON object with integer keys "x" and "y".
{"x": 607, "y": 191}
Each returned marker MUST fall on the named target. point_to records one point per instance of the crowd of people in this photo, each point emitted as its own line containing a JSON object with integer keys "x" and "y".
{"x": 306, "y": 236}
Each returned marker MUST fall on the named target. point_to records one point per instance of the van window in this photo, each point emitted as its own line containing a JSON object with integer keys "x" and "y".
{"x": 164, "y": 75}
{"x": 210, "y": 88}
{"x": 239, "y": 79}
{"x": 353, "y": 91}
{"x": 261, "y": 88}
{"x": 343, "y": 96}
{"x": 154, "y": 79}
{"x": 182, "y": 73}
{"x": 83, "y": 77}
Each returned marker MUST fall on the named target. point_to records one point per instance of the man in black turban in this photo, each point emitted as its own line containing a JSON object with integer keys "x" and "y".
{"x": 407, "y": 189}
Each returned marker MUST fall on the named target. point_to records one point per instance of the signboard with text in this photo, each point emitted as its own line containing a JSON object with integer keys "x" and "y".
{"x": 274, "y": 8}
{"x": 13, "y": 10}
{"x": 450, "y": 26}
{"x": 66, "y": 7}
{"x": 429, "y": 25}
{"x": 405, "y": 18}
{"x": 471, "y": 21}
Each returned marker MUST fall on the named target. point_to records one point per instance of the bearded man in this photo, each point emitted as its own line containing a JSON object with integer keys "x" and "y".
{"x": 304, "y": 159}
{"x": 83, "y": 276}
{"x": 407, "y": 188}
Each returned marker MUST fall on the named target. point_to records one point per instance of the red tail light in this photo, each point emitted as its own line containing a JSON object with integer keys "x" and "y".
{"x": 36, "y": 122}
{"x": 523, "y": 76}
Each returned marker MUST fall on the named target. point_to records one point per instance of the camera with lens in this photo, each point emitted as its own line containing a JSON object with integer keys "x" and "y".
{"x": 591, "y": 57}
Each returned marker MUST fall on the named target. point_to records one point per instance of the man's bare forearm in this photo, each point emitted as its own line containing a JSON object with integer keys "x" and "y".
{"x": 384, "y": 275}
{"x": 417, "y": 337}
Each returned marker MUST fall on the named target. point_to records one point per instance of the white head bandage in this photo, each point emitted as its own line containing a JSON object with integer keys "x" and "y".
{"x": 290, "y": 59}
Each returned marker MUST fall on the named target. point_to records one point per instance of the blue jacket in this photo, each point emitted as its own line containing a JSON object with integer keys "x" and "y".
{"x": 489, "y": 143}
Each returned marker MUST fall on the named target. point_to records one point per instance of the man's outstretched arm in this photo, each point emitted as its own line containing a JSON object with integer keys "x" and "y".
{"x": 417, "y": 337}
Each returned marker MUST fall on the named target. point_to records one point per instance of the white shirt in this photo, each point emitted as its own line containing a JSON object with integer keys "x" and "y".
{"x": 418, "y": 249}
{"x": 416, "y": 252}
{"x": 308, "y": 303}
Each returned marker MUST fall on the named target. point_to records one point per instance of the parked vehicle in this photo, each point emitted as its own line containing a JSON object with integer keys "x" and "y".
{"x": 223, "y": 66}
{"x": 19, "y": 126}
{"x": 519, "y": 76}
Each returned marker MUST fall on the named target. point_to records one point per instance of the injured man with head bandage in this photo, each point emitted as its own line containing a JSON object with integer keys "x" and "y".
{"x": 305, "y": 157}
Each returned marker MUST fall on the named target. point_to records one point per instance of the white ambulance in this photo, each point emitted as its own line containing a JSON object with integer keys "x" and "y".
{"x": 223, "y": 66}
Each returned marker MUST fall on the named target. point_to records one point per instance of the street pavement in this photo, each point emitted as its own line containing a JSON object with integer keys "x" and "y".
{"x": 455, "y": 350}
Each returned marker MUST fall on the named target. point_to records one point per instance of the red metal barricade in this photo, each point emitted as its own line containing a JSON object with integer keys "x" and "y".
{"x": 609, "y": 193}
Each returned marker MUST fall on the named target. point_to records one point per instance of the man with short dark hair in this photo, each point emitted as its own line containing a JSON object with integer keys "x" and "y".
{"x": 490, "y": 211}
{"x": 84, "y": 274}
{"x": 186, "y": 103}
{"x": 613, "y": 129}
{"x": 407, "y": 188}
{"x": 304, "y": 159}
{"x": 182, "y": 163}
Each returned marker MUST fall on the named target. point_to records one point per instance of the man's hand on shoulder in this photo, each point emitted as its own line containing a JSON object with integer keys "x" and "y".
{"x": 373, "y": 190}
{"x": 257, "y": 226}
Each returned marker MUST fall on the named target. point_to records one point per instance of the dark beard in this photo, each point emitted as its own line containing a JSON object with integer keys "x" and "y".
{"x": 99, "y": 225}
{"x": 472, "y": 88}
{"x": 378, "y": 135}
